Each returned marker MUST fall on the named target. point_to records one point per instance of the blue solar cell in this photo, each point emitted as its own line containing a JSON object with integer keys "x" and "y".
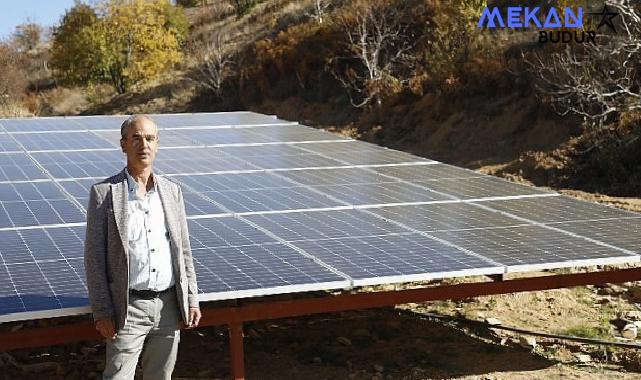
{"x": 377, "y": 259}
{"x": 18, "y": 167}
{"x": 61, "y": 141}
{"x": 7, "y": 144}
{"x": 248, "y": 268}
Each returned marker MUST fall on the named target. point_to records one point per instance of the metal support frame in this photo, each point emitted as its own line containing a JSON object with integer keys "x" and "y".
{"x": 235, "y": 316}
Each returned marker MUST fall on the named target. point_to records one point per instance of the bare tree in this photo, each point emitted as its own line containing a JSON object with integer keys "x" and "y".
{"x": 319, "y": 10}
{"x": 596, "y": 80}
{"x": 378, "y": 43}
{"x": 215, "y": 63}
{"x": 28, "y": 35}
{"x": 13, "y": 75}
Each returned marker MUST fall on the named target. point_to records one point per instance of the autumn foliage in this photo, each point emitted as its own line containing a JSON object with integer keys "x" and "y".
{"x": 120, "y": 42}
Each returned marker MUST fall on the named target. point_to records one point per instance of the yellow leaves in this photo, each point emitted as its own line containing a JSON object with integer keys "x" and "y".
{"x": 130, "y": 41}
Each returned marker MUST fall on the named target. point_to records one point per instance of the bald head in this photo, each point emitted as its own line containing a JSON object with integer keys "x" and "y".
{"x": 132, "y": 120}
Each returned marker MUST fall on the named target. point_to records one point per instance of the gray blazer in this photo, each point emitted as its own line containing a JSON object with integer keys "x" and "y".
{"x": 106, "y": 242}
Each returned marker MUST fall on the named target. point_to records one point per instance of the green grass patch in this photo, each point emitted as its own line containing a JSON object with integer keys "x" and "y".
{"x": 590, "y": 332}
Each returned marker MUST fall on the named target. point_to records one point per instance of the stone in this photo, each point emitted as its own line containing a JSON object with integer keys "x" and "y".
{"x": 616, "y": 289}
{"x": 634, "y": 315}
{"x": 378, "y": 368}
{"x": 527, "y": 342}
{"x": 583, "y": 358}
{"x": 629, "y": 331}
{"x": 493, "y": 321}
{"x": 344, "y": 341}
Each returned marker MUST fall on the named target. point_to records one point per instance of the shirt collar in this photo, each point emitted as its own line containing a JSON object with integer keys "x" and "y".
{"x": 132, "y": 185}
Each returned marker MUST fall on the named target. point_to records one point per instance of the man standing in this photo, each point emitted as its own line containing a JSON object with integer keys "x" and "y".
{"x": 140, "y": 274}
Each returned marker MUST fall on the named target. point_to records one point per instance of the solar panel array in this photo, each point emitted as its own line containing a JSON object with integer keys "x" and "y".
{"x": 277, "y": 207}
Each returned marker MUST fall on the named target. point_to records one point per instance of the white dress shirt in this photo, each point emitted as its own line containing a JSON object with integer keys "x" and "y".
{"x": 150, "y": 263}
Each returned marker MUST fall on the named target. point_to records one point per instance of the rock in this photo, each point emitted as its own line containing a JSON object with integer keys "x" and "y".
{"x": 629, "y": 331}
{"x": 379, "y": 368}
{"x": 344, "y": 341}
{"x": 527, "y": 342}
{"x": 634, "y": 315}
{"x": 604, "y": 300}
{"x": 616, "y": 289}
{"x": 493, "y": 321}
{"x": 583, "y": 358}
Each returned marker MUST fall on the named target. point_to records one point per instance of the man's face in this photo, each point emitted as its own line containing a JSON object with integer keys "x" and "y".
{"x": 140, "y": 143}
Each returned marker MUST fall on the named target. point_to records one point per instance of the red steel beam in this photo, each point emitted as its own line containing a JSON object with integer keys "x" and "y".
{"x": 236, "y": 356}
{"x": 283, "y": 309}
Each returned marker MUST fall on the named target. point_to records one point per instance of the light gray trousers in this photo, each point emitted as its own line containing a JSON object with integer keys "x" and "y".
{"x": 152, "y": 324}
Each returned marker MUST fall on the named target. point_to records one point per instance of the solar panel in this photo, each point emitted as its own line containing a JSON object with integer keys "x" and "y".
{"x": 35, "y": 203}
{"x": 18, "y": 167}
{"x": 325, "y": 225}
{"x": 8, "y": 144}
{"x": 529, "y": 248}
{"x": 446, "y": 217}
{"x": 94, "y": 164}
{"x": 216, "y": 119}
{"x": 394, "y": 258}
{"x": 61, "y": 141}
{"x": 423, "y": 173}
{"x": 42, "y": 270}
{"x": 557, "y": 209}
{"x": 39, "y": 124}
{"x": 96, "y": 123}
{"x": 276, "y": 207}
{"x": 379, "y": 193}
{"x": 479, "y": 187}
{"x": 611, "y": 231}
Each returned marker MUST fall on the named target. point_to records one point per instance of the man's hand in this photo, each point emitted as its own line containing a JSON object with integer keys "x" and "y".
{"x": 194, "y": 317}
{"x": 106, "y": 328}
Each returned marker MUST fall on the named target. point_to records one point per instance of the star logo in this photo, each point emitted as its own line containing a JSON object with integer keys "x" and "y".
{"x": 606, "y": 18}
